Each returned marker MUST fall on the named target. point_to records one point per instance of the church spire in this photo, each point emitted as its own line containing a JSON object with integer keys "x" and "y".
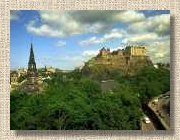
{"x": 32, "y": 63}
{"x": 32, "y": 74}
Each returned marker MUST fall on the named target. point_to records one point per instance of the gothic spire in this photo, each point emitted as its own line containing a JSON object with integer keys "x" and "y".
{"x": 31, "y": 57}
{"x": 32, "y": 72}
{"x": 31, "y": 63}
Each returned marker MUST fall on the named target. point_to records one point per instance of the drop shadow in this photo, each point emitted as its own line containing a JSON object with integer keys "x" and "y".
{"x": 94, "y": 133}
{"x": 172, "y": 73}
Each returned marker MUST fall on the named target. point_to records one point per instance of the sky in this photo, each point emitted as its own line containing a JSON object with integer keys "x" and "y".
{"x": 67, "y": 39}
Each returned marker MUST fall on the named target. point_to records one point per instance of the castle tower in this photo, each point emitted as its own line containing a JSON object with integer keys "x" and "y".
{"x": 104, "y": 52}
{"x": 32, "y": 72}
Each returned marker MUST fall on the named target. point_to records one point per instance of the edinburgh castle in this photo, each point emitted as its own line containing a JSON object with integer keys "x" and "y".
{"x": 128, "y": 60}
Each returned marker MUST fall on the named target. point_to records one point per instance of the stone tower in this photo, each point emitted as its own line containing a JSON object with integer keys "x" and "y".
{"x": 32, "y": 72}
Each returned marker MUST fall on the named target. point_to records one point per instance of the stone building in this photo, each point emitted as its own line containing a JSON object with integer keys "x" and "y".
{"x": 50, "y": 70}
{"x": 13, "y": 77}
{"x": 135, "y": 51}
{"x": 104, "y": 52}
{"x": 126, "y": 60}
{"x": 22, "y": 72}
{"x": 127, "y": 52}
{"x": 121, "y": 56}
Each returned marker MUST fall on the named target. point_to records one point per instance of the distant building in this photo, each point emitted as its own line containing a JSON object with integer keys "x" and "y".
{"x": 50, "y": 70}
{"x": 22, "y": 72}
{"x": 13, "y": 77}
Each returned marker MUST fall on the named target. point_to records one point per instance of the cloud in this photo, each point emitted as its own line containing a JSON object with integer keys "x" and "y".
{"x": 133, "y": 38}
{"x": 91, "y": 41}
{"x": 14, "y": 15}
{"x": 43, "y": 30}
{"x": 129, "y": 16}
{"x": 107, "y": 16}
{"x": 113, "y": 34}
{"x": 159, "y": 50}
{"x": 90, "y": 53}
{"x": 54, "y": 24}
{"x": 61, "y": 43}
{"x": 159, "y": 24}
{"x": 67, "y": 23}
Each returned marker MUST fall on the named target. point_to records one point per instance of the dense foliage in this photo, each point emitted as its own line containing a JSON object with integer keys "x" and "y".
{"x": 72, "y": 101}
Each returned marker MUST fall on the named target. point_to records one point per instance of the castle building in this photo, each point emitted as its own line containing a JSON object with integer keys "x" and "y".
{"x": 32, "y": 74}
{"x": 104, "y": 52}
{"x": 136, "y": 51}
{"x": 127, "y": 60}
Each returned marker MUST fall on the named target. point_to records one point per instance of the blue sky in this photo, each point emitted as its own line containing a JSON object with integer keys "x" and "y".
{"x": 66, "y": 39}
